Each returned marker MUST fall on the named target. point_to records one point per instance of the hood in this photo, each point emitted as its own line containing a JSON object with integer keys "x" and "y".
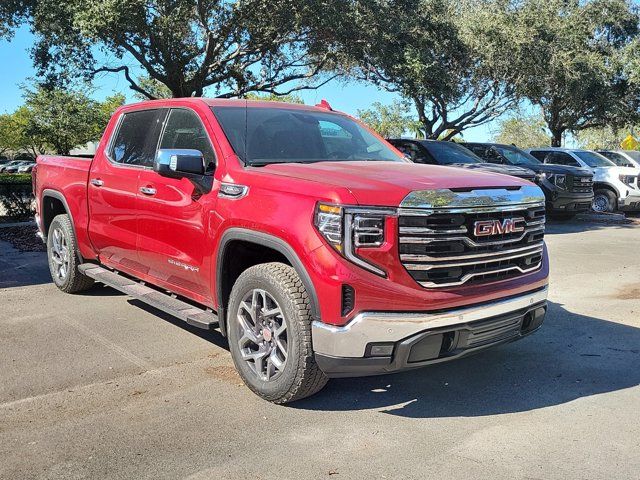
{"x": 388, "y": 183}
{"x": 612, "y": 172}
{"x": 499, "y": 168}
{"x": 561, "y": 169}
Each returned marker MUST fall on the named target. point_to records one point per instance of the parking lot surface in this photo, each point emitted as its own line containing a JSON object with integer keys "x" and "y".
{"x": 100, "y": 386}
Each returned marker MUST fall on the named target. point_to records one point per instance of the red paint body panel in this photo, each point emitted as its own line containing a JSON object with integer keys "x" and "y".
{"x": 177, "y": 225}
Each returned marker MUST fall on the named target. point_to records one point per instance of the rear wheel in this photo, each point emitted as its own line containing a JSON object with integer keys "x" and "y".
{"x": 604, "y": 201}
{"x": 269, "y": 325}
{"x": 62, "y": 253}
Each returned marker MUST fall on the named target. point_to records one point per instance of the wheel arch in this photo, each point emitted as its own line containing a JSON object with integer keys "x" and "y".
{"x": 274, "y": 249}
{"x": 605, "y": 186}
{"x": 54, "y": 203}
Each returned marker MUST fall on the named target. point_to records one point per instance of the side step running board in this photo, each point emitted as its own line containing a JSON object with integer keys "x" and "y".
{"x": 185, "y": 311}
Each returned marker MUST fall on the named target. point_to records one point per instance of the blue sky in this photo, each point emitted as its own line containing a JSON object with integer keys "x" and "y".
{"x": 17, "y": 69}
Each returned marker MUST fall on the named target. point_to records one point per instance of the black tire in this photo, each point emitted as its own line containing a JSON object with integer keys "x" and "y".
{"x": 71, "y": 280}
{"x": 604, "y": 201}
{"x": 300, "y": 377}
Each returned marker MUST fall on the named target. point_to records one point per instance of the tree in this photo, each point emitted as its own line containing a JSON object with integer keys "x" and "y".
{"x": 61, "y": 120}
{"x": 525, "y": 131}
{"x": 450, "y": 58}
{"x": 291, "y": 98}
{"x": 603, "y": 137}
{"x": 571, "y": 55}
{"x": 152, "y": 88}
{"x": 388, "y": 120}
{"x": 189, "y": 45}
{"x": 12, "y": 14}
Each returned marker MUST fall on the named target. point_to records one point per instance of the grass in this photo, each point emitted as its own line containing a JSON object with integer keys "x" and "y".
{"x": 15, "y": 178}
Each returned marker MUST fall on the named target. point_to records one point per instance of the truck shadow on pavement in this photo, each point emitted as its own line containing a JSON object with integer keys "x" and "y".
{"x": 571, "y": 357}
{"x": 558, "y": 227}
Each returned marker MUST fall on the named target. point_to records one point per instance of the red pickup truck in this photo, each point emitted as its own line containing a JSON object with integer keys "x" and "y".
{"x": 309, "y": 241}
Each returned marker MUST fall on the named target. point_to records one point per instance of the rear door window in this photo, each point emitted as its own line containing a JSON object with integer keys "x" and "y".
{"x": 137, "y": 137}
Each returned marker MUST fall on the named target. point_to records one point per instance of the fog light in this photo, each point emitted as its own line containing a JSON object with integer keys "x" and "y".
{"x": 381, "y": 350}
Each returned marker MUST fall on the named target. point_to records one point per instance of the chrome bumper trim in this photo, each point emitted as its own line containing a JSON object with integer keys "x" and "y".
{"x": 351, "y": 340}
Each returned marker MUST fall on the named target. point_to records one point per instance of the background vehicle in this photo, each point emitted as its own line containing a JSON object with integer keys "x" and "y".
{"x": 26, "y": 167}
{"x": 614, "y": 187}
{"x": 12, "y": 166}
{"x": 567, "y": 190}
{"x": 313, "y": 245}
{"x": 434, "y": 152}
{"x": 623, "y": 158}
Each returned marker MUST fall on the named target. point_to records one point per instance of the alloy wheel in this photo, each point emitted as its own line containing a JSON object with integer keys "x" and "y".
{"x": 262, "y": 333}
{"x": 60, "y": 254}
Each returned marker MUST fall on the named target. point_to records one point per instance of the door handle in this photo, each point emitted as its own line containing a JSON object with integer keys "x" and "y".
{"x": 97, "y": 182}
{"x": 148, "y": 190}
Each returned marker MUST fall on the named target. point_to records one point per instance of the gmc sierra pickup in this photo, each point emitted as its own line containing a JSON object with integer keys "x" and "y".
{"x": 309, "y": 241}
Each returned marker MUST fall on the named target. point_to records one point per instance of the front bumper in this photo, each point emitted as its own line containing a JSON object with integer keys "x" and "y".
{"x": 570, "y": 203}
{"x": 631, "y": 202}
{"x": 419, "y": 339}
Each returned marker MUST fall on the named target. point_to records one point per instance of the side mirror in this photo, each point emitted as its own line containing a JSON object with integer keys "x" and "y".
{"x": 179, "y": 162}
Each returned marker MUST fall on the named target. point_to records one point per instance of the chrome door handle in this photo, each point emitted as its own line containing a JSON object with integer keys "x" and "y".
{"x": 148, "y": 190}
{"x": 97, "y": 182}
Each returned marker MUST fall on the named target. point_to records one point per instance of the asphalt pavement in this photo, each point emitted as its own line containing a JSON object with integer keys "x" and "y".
{"x": 98, "y": 385}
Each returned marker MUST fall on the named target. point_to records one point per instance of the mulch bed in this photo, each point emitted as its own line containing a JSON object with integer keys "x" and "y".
{"x": 22, "y": 238}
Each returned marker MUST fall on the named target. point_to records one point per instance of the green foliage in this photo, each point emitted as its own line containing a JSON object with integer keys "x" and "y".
{"x": 15, "y": 178}
{"x": 603, "y": 137}
{"x": 523, "y": 131}
{"x": 55, "y": 120}
{"x": 189, "y": 45}
{"x": 63, "y": 119}
{"x": 572, "y": 56}
{"x": 450, "y": 58}
{"x": 389, "y": 120}
{"x": 153, "y": 89}
{"x": 271, "y": 97}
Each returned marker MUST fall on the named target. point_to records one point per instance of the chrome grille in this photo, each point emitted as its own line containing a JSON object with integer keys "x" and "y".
{"x": 580, "y": 184}
{"x": 440, "y": 249}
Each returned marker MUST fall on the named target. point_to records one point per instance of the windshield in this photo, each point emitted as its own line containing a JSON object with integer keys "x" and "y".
{"x": 617, "y": 158}
{"x": 594, "y": 159}
{"x": 448, "y": 153}
{"x": 516, "y": 156}
{"x": 265, "y": 135}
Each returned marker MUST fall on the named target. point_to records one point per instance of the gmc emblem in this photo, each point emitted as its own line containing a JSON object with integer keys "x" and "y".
{"x": 484, "y": 228}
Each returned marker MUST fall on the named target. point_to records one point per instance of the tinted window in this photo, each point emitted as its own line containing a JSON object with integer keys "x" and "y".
{"x": 415, "y": 152}
{"x": 559, "y": 158}
{"x": 617, "y": 158}
{"x": 594, "y": 159}
{"x": 137, "y": 137}
{"x": 185, "y": 130}
{"x": 539, "y": 154}
{"x": 516, "y": 156}
{"x": 447, "y": 153}
{"x": 261, "y": 136}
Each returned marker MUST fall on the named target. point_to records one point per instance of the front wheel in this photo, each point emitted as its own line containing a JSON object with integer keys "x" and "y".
{"x": 269, "y": 325}
{"x": 604, "y": 201}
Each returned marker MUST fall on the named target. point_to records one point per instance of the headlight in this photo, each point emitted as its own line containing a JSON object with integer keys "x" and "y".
{"x": 557, "y": 179}
{"x": 348, "y": 229}
{"x": 628, "y": 179}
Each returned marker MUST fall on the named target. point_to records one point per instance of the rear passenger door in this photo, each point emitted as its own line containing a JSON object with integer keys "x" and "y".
{"x": 172, "y": 215}
{"x": 113, "y": 186}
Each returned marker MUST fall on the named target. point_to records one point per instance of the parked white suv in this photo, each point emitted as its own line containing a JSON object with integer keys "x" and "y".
{"x": 623, "y": 158}
{"x": 614, "y": 187}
